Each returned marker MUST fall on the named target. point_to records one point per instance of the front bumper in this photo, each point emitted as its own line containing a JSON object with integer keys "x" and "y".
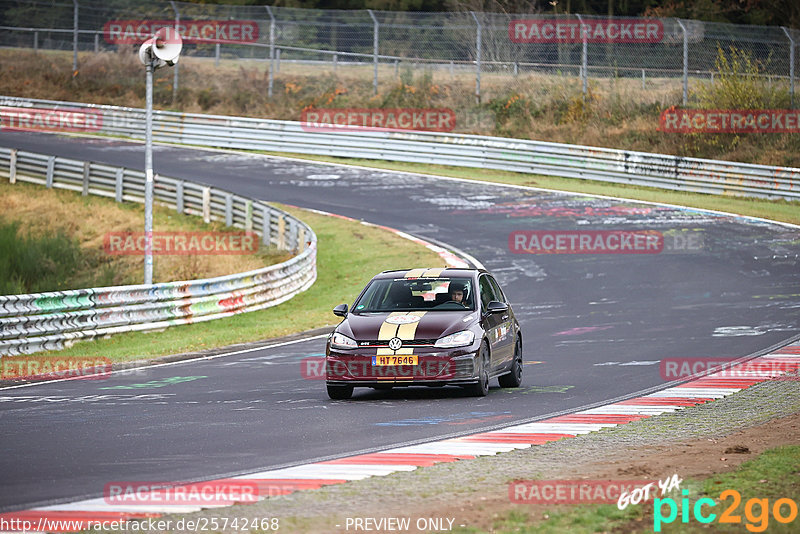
{"x": 434, "y": 366}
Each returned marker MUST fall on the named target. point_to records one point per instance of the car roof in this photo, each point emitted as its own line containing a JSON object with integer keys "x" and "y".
{"x": 430, "y": 272}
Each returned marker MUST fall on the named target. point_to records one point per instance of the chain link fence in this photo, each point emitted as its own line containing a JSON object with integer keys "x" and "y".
{"x": 475, "y": 57}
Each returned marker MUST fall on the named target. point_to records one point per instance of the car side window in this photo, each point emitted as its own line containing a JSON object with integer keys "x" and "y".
{"x": 487, "y": 293}
{"x": 499, "y": 296}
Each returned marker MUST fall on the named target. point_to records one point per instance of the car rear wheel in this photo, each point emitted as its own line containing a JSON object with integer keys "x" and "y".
{"x": 340, "y": 392}
{"x": 481, "y": 389}
{"x": 514, "y": 378}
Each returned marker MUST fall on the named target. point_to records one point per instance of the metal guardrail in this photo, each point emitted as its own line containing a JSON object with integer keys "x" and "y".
{"x": 553, "y": 159}
{"x": 48, "y": 321}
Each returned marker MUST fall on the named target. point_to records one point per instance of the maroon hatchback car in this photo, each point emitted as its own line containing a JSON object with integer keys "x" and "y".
{"x": 431, "y": 327}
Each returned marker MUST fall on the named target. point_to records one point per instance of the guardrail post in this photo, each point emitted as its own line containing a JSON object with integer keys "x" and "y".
{"x": 51, "y": 164}
{"x": 478, "y": 48}
{"x": 271, "y": 49}
{"x": 118, "y": 184}
{"x": 248, "y": 215}
{"x": 584, "y": 58}
{"x": 179, "y": 197}
{"x": 791, "y": 66}
{"x": 85, "y": 191}
{"x": 685, "y": 62}
{"x": 206, "y": 205}
{"x": 228, "y": 210}
{"x": 281, "y": 232}
{"x": 12, "y": 166}
{"x": 265, "y": 226}
{"x": 375, "y": 34}
{"x": 74, "y": 36}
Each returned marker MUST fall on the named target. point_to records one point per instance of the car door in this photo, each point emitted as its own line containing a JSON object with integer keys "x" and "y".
{"x": 505, "y": 326}
{"x": 491, "y": 323}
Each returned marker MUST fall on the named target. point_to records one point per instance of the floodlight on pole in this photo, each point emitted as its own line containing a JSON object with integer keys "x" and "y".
{"x": 161, "y": 50}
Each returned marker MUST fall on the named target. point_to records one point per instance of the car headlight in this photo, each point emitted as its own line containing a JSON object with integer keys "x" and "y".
{"x": 459, "y": 339}
{"x": 339, "y": 341}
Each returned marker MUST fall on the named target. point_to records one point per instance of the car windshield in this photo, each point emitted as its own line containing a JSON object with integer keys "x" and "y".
{"x": 417, "y": 294}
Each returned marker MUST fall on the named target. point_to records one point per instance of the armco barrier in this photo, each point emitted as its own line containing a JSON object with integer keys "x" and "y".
{"x": 46, "y": 321}
{"x": 553, "y": 159}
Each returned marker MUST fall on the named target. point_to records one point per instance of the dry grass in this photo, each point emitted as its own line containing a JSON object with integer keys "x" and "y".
{"x": 618, "y": 113}
{"x": 87, "y": 219}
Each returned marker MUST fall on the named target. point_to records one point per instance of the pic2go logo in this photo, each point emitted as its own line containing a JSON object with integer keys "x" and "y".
{"x": 756, "y": 511}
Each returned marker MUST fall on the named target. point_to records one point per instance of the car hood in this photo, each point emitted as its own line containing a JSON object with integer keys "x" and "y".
{"x": 406, "y": 325}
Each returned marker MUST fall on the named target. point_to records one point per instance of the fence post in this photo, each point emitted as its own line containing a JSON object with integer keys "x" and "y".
{"x": 271, "y": 49}
{"x": 375, "y": 35}
{"x": 477, "y": 58}
{"x": 74, "y": 36}
{"x": 791, "y": 65}
{"x": 118, "y": 184}
{"x": 51, "y": 164}
{"x": 228, "y": 209}
{"x": 35, "y": 41}
{"x": 266, "y": 238}
{"x": 175, "y": 67}
{"x": 685, "y": 62}
{"x": 248, "y": 215}
{"x": 278, "y": 60}
{"x": 86, "y": 169}
{"x": 216, "y": 55}
{"x": 12, "y": 166}
{"x": 584, "y": 58}
{"x": 642, "y": 79}
{"x": 179, "y": 197}
{"x": 335, "y": 61}
{"x": 96, "y": 42}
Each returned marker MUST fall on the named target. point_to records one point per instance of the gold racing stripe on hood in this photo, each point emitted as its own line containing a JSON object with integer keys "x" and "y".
{"x": 432, "y": 273}
{"x": 406, "y": 332}
{"x": 414, "y": 273}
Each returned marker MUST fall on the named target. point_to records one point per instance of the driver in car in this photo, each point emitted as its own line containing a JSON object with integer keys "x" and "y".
{"x": 457, "y": 291}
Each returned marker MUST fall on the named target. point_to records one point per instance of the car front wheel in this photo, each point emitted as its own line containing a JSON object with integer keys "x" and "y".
{"x": 514, "y": 378}
{"x": 481, "y": 389}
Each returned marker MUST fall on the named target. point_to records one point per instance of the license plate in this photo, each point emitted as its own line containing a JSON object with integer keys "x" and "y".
{"x": 395, "y": 359}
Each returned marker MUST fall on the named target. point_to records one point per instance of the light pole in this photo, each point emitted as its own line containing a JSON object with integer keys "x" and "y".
{"x": 161, "y": 50}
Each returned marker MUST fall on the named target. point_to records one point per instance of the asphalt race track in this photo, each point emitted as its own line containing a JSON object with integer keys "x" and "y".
{"x": 595, "y": 326}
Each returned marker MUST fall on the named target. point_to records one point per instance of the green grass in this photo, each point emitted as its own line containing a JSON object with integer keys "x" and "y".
{"x": 772, "y": 475}
{"x": 349, "y": 254}
{"x": 32, "y": 264}
{"x": 778, "y": 210}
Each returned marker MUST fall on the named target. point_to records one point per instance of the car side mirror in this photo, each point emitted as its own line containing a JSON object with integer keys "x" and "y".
{"x": 496, "y": 307}
{"x": 340, "y": 310}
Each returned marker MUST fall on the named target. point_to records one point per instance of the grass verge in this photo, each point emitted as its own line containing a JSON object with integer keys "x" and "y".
{"x": 759, "y": 484}
{"x": 777, "y": 210}
{"x": 76, "y": 227}
{"x": 349, "y": 255}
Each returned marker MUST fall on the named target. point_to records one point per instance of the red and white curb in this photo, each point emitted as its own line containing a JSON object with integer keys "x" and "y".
{"x": 315, "y": 475}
